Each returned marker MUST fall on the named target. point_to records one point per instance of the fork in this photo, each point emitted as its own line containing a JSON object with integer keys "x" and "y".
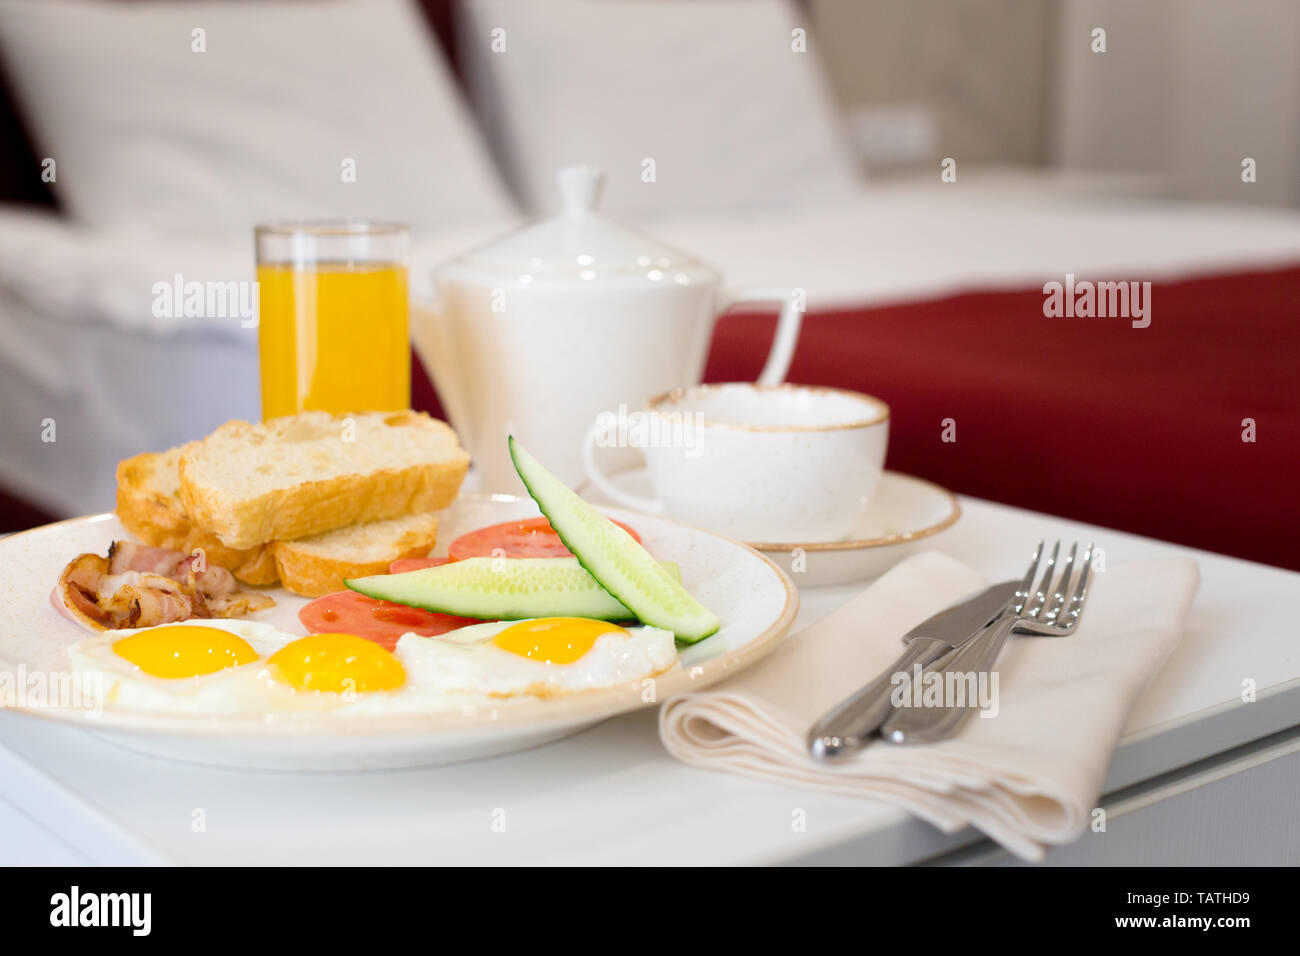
{"x": 1052, "y": 609}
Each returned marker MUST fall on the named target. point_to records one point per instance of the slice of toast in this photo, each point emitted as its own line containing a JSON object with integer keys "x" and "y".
{"x": 319, "y": 564}
{"x": 313, "y": 472}
{"x": 148, "y": 498}
{"x": 149, "y": 506}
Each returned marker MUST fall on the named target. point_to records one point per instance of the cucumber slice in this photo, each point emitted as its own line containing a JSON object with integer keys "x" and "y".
{"x": 501, "y": 588}
{"x": 623, "y": 567}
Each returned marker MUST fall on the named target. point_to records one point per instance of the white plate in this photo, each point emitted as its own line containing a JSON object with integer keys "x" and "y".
{"x": 901, "y": 511}
{"x": 755, "y": 600}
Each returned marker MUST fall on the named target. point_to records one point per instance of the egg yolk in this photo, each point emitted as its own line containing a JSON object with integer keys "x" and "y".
{"x": 554, "y": 640}
{"x": 184, "y": 651}
{"x": 337, "y": 663}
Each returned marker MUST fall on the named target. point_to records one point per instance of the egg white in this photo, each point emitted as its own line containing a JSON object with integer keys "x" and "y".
{"x": 465, "y": 661}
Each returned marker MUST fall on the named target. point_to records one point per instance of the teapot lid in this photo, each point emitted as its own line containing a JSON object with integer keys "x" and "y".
{"x": 579, "y": 242}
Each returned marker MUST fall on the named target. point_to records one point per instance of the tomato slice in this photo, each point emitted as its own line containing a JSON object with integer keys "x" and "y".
{"x": 347, "y": 612}
{"x": 531, "y": 538}
{"x": 415, "y": 564}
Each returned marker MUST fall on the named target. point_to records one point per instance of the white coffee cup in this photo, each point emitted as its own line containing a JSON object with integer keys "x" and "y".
{"x": 762, "y": 463}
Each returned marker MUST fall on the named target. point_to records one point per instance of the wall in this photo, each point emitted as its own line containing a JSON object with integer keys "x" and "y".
{"x": 1186, "y": 89}
{"x": 979, "y": 68}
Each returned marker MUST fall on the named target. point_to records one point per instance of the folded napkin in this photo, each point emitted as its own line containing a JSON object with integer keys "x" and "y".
{"x": 1027, "y": 777}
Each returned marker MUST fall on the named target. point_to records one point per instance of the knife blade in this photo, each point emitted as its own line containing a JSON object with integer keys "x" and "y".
{"x": 848, "y": 725}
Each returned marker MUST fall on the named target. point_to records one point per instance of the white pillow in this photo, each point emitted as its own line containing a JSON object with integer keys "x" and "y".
{"x": 710, "y": 90}
{"x": 145, "y": 130}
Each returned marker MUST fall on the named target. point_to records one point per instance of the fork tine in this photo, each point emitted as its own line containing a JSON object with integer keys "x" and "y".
{"x": 1022, "y": 590}
{"x": 1080, "y": 591}
{"x": 1062, "y": 588}
{"x": 1040, "y": 595}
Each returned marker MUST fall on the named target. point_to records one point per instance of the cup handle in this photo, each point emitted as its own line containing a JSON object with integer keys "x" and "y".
{"x": 636, "y": 502}
{"x": 787, "y": 327}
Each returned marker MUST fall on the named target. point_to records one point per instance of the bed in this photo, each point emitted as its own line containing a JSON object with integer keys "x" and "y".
{"x": 926, "y": 293}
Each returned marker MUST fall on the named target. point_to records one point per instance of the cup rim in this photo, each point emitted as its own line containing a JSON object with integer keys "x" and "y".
{"x": 330, "y": 227}
{"x": 677, "y": 394}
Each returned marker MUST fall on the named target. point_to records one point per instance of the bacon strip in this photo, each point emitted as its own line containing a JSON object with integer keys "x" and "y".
{"x": 141, "y": 586}
{"x": 126, "y": 556}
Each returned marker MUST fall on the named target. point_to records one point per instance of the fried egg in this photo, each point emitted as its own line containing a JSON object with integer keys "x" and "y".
{"x": 540, "y": 657}
{"x": 193, "y": 666}
{"x": 229, "y": 667}
{"x": 224, "y": 667}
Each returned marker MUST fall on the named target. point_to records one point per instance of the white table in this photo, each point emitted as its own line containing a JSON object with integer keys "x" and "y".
{"x": 1199, "y": 775}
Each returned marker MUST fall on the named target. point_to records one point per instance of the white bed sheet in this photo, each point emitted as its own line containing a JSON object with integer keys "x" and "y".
{"x": 924, "y": 238}
{"x": 81, "y": 347}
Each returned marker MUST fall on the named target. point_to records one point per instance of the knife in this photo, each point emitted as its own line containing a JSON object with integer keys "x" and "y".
{"x": 848, "y": 726}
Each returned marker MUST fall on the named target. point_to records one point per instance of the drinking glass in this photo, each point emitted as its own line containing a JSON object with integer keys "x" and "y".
{"x": 333, "y": 316}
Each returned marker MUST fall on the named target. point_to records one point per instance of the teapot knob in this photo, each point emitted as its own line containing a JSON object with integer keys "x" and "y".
{"x": 579, "y": 188}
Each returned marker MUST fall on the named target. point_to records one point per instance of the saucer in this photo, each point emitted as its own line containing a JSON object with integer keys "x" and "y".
{"x": 901, "y": 512}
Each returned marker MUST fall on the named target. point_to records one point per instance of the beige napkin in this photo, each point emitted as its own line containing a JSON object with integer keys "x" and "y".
{"x": 1027, "y": 777}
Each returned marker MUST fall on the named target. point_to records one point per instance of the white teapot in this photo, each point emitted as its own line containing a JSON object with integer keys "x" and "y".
{"x": 538, "y": 333}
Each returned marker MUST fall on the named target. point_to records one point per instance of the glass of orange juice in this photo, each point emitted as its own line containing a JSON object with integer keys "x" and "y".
{"x": 333, "y": 311}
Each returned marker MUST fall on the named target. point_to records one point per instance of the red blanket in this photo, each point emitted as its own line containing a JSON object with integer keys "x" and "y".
{"x": 1132, "y": 428}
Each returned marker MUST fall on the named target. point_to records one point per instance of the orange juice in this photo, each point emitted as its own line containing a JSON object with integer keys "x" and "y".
{"x": 333, "y": 337}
